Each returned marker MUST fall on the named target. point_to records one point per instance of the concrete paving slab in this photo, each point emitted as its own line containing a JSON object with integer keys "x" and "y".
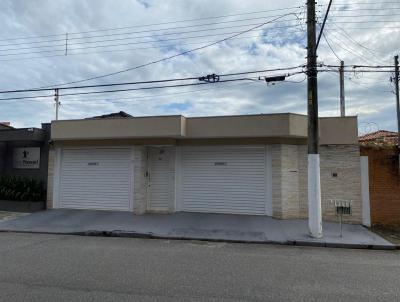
{"x": 199, "y": 226}
{"x": 6, "y": 215}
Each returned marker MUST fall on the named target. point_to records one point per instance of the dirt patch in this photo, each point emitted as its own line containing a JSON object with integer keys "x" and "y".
{"x": 391, "y": 234}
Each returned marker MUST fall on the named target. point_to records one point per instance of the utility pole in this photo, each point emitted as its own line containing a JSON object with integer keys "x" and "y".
{"x": 56, "y": 99}
{"x": 342, "y": 100}
{"x": 396, "y": 83}
{"x": 314, "y": 182}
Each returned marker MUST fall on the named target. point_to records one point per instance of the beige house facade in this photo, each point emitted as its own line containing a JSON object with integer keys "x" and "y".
{"x": 245, "y": 164}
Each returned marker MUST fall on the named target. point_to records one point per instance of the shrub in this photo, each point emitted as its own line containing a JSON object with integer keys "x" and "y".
{"x": 21, "y": 189}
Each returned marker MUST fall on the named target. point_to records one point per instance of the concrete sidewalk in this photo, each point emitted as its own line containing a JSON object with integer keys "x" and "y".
{"x": 198, "y": 226}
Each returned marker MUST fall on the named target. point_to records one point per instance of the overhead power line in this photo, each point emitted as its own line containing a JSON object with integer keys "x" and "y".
{"x": 360, "y": 66}
{"x": 367, "y": 27}
{"x": 365, "y": 21}
{"x": 372, "y": 51}
{"x": 181, "y": 43}
{"x": 354, "y": 51}
{"x": 150, "y": 81}
{"x": 135, "y": 89}
{"x": 323, "y": 24}
{"x": 169, "y": 57}
{"x": 124, "y": 44}
{"x": 363, "y": 16}
{"x": 152, "y": 24}
{"x": 361, "y": 70}
{"x": 365, "y": 9}
{"x": 62, "y": 46}
{"x": 158, "y": 96}
{"x": 129, "y": 37}
{"x": 330, "y": 47}
{"x": 163, "y": 30}
{"x": 371, "y": 69}
{"x": 354, "y": 3}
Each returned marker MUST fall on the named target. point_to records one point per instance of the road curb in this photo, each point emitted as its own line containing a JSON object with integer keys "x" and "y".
{"x": 347, "y": 245}
{"x": 287, "y": 242}
{"x": 123, "y": 234}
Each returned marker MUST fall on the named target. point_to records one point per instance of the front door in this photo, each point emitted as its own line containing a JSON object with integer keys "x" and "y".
{"x": 160, "y": 179}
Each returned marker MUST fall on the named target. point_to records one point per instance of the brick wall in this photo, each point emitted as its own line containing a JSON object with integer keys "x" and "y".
{"x": 276, "y": 163}
{"x": 50, "y": 178}
{"x": 344, "y": 160}
{"x": 285, "y": 181}
{"x": 384, "y": 184}
{"x": 340, "y": 179}
{"x": 139, "y": 180}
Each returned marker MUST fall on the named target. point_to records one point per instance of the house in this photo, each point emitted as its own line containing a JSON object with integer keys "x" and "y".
{"x": 24, "y": 151}
{"x": 5, "y": 125}
{"x": 379, "y": 137}
{"x": 244, "y": 164}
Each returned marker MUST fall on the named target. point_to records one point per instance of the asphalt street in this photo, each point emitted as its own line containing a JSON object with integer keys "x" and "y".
{"x": 37, "y": 267}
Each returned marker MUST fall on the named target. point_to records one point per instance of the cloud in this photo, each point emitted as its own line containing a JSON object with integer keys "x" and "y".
{"x": 275, "y": 45}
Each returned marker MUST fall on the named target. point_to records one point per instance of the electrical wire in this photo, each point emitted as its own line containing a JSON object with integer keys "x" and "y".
{"x": 366, "y": 21}
{"x": 365, "y": 9}
{"x": 353, "y": 3}
{"x": 340, "y": 43}
{"x": 330, "y": 47}
{"x": 147, "y": 36}
{"x": 365, "y": 70}
{"x": 359, "y": 66}
{"x": 371, "y": 68}
{"x": 368, "y": 16}
{"x": 167, "y": 58}
{"x": 369, "y": 27}
{"x": 178, "y": 85}
{"x": 360, "y": 52}
{"x": 132, "y": 89}
{"x": 355, "y": 41}
{"x": 152, "y": 81}
{"x": 155, "y": 97}
{"x": 323, "y": 24}
{"x": 153, "y": 24}
{"x": 123, "y": 44}
{"x": 158, "y": 96}
{"x": 142, "y": 48}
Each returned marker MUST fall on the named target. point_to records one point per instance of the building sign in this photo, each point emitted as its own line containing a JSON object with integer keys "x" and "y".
{"x": 26, "y": 158}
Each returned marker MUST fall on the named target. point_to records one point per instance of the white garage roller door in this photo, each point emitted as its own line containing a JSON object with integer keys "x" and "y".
{"x": 96, "y": 179}
{"x": 228, "y": 179}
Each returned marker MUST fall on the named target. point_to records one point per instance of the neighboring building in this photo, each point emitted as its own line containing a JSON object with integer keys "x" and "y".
{"x": 5, "y": 125}
{"x": 383, "y": 175}
{"x": 24, "y": 151}
{"x": 384, "y": 184}
{"x": 247, "y": 164}
{"x": 112, "y": 115}
{"x": 379, "y": 137}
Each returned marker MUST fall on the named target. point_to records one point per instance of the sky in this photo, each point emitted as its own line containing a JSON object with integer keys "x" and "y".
{"x": 105, "y": 36}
